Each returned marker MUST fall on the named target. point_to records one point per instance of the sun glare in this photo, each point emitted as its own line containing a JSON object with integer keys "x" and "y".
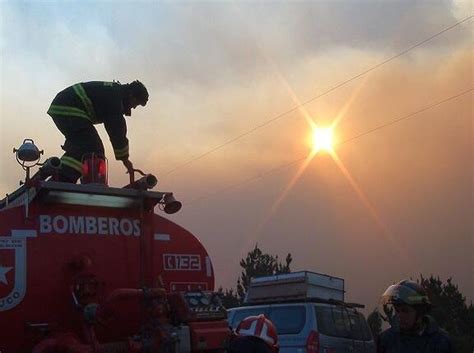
{"x": 322, "y": 139}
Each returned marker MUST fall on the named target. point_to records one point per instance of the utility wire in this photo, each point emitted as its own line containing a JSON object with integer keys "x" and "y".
{"x": 407, "y": 116}
{"x": 329, "y": 90}
{"x": 288, "y": 164}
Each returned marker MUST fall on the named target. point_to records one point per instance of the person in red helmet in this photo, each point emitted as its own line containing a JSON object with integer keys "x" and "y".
{"x": 412, "y": 330}
{"x": 76, "y": 109}
{"x": 254, "y": 334}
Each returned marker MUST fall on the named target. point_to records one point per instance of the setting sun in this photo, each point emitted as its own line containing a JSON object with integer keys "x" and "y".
{"x": 322, "y": 139}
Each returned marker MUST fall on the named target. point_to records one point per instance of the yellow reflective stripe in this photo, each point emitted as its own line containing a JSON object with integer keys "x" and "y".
{"x": 121, "y": 152}
{"x": 65, "y": 108}
{"x": 81, "y": 93}
{"x": 79, "y": 115}
{"x": 70, "y": 111}
{"x": 72, "y": 163}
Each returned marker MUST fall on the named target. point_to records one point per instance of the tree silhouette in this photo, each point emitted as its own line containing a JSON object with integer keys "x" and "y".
{"x": 256, "y": 264}
{"x": 374, "y": 320}
{"x": 451, "y": 311}
{"x": 229, "y": 298}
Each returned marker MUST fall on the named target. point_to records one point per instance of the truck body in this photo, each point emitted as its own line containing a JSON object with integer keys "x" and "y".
{"x": 92, "y": 268}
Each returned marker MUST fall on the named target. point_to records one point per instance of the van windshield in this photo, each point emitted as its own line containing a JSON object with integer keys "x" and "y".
{"x": 342, "y": 322}
{"x": 287, "y": 319}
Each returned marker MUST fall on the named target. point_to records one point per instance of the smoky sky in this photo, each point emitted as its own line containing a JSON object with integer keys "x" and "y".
{"x": 207, "y": 43}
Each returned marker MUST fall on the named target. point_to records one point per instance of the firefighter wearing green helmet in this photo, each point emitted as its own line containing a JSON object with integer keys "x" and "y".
{"x": 412, "y": 330}
{"x": 76, "y": 109}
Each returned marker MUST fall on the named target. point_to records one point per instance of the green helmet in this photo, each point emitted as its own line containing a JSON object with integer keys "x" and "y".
{"x": 406, "y": 292}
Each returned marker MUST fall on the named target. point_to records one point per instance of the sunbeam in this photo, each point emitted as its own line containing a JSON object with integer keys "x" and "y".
{"x": 285, "y": 192}
{"x": 401, "y": 251}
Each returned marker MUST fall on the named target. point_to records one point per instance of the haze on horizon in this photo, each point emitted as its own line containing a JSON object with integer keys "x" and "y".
{"x": 397, "y": 202}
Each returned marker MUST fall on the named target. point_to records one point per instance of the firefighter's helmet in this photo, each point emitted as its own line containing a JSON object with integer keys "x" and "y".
{"x": 406, "y": 292}
{"x": 260, "y": 327}
{"x": 139, "y": 91}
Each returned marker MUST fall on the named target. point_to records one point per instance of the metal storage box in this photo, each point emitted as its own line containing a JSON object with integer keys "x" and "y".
{"x": 303, "y": 285}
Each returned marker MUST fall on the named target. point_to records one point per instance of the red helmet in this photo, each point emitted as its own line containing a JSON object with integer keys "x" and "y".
{"x": 261, "y": 327}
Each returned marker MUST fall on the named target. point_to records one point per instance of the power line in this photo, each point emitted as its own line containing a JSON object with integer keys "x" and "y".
{"x": 286, "y": 165}
{"x": 407, "y": 116}
{"x": 329, "y": 90}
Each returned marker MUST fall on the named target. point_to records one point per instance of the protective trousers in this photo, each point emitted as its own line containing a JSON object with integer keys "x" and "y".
{"x": 81, "y": 139}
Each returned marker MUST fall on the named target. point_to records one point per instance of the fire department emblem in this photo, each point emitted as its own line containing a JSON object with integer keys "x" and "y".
{"x": 13, "y": 269}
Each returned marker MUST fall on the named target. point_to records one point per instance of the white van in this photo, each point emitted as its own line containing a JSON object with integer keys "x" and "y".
{"x": 313, "y": 327}
{"x": 309, "y": 312}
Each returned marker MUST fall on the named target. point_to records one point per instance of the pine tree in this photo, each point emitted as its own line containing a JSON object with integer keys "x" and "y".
{"x": 374, "y": 320}
{"x": 451, "y": 312}
{"x": 256, "y": 264}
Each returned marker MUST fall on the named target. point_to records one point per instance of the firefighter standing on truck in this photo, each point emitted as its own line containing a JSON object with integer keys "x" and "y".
{"x": 76, "y": 110}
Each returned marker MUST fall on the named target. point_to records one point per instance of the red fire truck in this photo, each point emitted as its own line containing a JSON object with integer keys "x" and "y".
{"x": 88, "y": 268}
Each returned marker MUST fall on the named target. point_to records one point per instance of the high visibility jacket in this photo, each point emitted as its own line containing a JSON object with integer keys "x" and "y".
{"x": 98, "y": 102}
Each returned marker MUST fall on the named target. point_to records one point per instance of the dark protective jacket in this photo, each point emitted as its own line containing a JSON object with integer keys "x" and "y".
{"x": 431, "y": 340}
{"x": 248, "y": 344}
{"x": 98, "y": 102}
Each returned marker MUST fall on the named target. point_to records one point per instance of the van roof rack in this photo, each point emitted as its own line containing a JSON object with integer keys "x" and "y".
{"x": 307, "y": 300}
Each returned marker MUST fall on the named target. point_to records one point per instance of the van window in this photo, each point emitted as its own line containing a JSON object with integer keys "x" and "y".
{"x": 360, "y": 328}
{"x": 341, "y": 322}
{"x": 288, "y": 319}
